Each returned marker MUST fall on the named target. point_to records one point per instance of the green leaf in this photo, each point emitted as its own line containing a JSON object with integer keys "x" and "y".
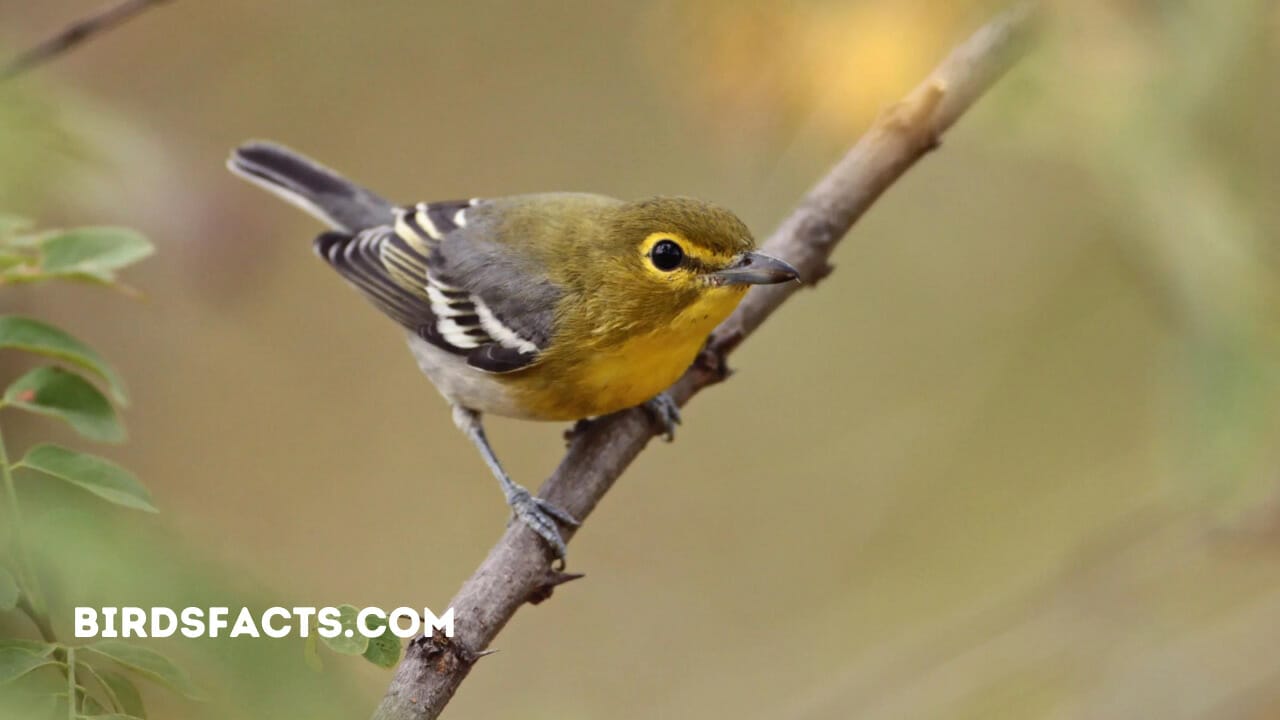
{"x": 148, "y": 663}
{"x": 349, "y": 641}
{"x": 34, "y": 336}
{"x": 16, "y": 662}
{"x": 383, "y": 650}
{"x": 91, "y": 706}
{"x": 95, "y": 252}
{"x": 67, "y": 396}
{"x": 90, "y": 472}
{"x": 8, "y": 590}
{"x": 84, "y": 669}
{"x": 35, "y": 647}
{"x": 112, "y": 716}
{"x": 127, "y": 693}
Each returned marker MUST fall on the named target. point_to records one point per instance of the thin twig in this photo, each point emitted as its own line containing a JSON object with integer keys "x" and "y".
{"x": 75, "y": 34}
{"x": 517, "y": 569}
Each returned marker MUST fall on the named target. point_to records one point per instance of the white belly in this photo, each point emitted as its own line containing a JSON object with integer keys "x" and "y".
{"x": 462, "y": 384}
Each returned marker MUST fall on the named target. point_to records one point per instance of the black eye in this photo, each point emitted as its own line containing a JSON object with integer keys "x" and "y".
{"x": 666, "y": 255}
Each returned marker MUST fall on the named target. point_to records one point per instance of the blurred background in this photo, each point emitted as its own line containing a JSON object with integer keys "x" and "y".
{"x": 1016, "y": 458}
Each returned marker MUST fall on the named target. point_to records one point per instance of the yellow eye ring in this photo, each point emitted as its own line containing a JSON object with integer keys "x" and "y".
{"x": 664, "y": 252}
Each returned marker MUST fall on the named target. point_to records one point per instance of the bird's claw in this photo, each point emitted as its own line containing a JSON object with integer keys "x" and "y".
{"x": 541, "y": 517}
{"x": 665, "y": 411}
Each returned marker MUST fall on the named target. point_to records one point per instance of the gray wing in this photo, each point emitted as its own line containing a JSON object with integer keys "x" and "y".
{"x": 450, "y": 286}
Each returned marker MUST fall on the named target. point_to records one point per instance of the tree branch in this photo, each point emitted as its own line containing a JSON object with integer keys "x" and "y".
{"x": 517, "y": 569}
{"x": 75, "y": 34}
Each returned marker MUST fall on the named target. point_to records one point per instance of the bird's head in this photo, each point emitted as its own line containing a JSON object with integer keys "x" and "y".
{"x": 681, "y": 257}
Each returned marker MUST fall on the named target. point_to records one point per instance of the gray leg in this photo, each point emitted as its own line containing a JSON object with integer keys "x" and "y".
{"x": 537, "y": 513}
{"x": 666, "y": 412}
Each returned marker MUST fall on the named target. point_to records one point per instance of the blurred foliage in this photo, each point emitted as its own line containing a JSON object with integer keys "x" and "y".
{"x": 1014, "y": 459}
{"x": 64, "y": 552}
{"x": 31, "y": 670}
{"x": 36, "y": 146}
{"x": 1183, "y": 146}
{"x": 382, "y": 650}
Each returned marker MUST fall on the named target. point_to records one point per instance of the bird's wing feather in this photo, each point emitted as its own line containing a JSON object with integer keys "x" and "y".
{"x": 450, "y": 287}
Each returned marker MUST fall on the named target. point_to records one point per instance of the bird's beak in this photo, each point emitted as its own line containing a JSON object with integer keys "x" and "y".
{"x": 753, "y": 268}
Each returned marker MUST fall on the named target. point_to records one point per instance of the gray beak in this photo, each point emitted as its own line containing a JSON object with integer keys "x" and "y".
{"x": 753, "y": 268}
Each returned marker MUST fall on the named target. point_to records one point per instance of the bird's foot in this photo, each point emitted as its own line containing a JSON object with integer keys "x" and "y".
{"x": 541, "y": 517}
{"x": 665, "y": 411}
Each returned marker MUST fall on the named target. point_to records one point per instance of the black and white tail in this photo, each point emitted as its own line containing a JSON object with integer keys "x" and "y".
{"x": 311, "y": 186}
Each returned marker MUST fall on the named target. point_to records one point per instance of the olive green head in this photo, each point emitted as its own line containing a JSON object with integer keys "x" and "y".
{"x": 686, "y": 244}
{"x": 665, "y": 258}
{"x": 705, "y": 232}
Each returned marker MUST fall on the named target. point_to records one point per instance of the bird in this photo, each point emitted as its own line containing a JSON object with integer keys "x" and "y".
{"x": 552, "y": 306}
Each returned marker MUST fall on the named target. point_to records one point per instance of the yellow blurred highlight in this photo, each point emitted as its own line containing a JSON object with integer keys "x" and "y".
{"x": 829, "y": 65}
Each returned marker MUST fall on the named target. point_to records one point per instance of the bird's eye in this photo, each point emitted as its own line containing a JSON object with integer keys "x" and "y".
{"x": 666, "y": 255}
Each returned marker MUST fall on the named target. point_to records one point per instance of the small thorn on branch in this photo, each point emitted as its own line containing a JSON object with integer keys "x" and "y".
{"x": 915, "y": 114}
{"x": 549, "y": 583}
{"x": 443, "y": 654}
{"x": 576, "y": 429}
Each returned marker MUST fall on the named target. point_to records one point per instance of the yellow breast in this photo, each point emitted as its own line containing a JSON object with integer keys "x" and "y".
{"x": 631, "y": 372}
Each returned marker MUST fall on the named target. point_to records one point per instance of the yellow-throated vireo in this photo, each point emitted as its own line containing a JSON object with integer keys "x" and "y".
{"x": 556, "y": 306}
